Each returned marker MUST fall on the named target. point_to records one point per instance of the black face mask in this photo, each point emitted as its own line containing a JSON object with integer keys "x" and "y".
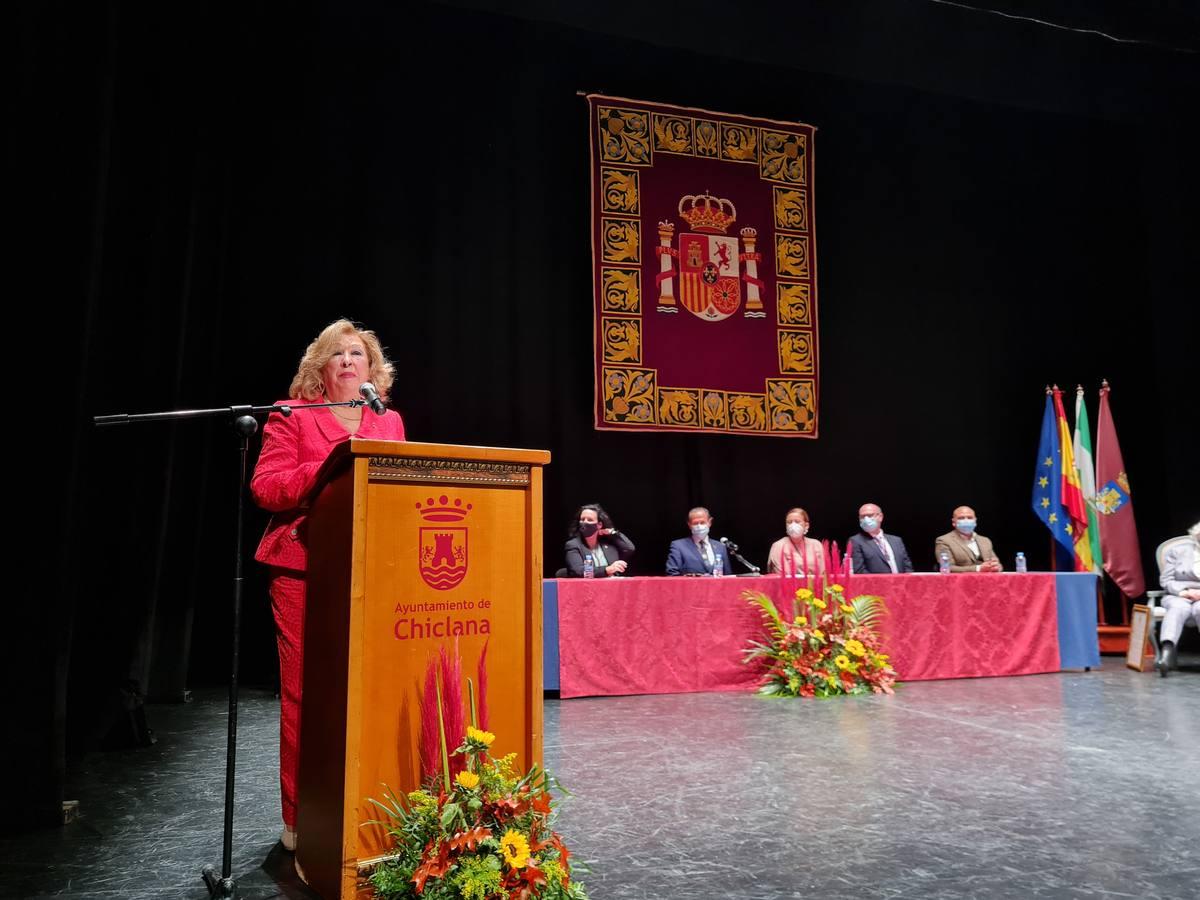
{"x": 587, "y": 529}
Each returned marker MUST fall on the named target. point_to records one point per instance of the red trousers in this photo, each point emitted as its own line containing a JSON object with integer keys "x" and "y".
{"x": 287, "y": 603}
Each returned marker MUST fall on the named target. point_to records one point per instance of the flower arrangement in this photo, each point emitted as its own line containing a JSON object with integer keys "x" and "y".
{"x": 829, "y": 646}
{"x": 478, "y": 829}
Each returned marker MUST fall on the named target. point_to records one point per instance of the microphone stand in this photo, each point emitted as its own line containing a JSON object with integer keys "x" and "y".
{"x": 733, "y": 550}
{"x": 245, "y": 425}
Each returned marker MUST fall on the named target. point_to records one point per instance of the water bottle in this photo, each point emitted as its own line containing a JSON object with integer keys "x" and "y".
{"x": 1021, "y": 567}
{"x": 718, "y": 567}
{"x": 589, "y": 567}
{"x": 944, "y": 563}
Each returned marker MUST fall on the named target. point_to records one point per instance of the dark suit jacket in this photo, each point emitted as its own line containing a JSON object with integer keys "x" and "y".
{"x": 615, "y": 546}
{"x": 868, "y": 560}
{"x": 685, "y": 559}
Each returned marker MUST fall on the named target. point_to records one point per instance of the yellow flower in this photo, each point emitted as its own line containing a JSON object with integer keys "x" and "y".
{"x": 480, "y": 737}
{"x": 842, "y": 661}
{"x": 819, "y": 603}
{"x": 468, "y": 780}
{"x": 818, "y": 634}
{"x": 515, "y": 848}
{"x": 847, "y": 609}
{"x": 856, "y": 647}
{"x": 837, "y": 588}
{"x": 804, "y": 594}
{"x": 801, "y": 620}
{"x": 419, "y": 801}
{"x": 507, "y": 766}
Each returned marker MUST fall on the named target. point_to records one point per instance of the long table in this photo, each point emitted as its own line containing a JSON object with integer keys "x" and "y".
{"x": 611, "y": 636}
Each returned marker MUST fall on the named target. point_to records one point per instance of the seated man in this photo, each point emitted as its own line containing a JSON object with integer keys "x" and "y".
{"x": 1181, "y": 580}
{"x": 968, "y": 551}
{"x": 696, "y": 555}
{"x": 874, "y": 552}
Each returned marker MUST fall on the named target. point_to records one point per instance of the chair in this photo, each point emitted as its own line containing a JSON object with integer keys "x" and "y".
{"x": 1154, "y": 598}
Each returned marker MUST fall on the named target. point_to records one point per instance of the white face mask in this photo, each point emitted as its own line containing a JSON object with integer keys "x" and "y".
{"x": 700, "y": 530}
{"x": 796, "y": 529}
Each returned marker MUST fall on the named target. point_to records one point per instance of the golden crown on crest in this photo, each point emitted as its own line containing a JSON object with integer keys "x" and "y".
{"x": 707, "y": 213}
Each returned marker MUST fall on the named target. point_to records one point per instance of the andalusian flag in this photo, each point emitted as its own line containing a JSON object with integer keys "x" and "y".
{"x": 1072, "y": 494}
{"x": 1086, "y": 469}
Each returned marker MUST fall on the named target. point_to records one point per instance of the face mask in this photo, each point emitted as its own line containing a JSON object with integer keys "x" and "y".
{"x": 868, "y": 523}
{"x": 700, "y": 530}
{"x": 966, "y": 526}
{"x": 796, "y": 529}
{"x": 587, "y": 529}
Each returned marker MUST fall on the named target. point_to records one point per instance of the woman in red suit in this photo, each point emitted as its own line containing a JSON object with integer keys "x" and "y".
{"x": 341, "y": 358}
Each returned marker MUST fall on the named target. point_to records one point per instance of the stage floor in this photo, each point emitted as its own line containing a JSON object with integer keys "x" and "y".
{"x": 1063, "y": 785}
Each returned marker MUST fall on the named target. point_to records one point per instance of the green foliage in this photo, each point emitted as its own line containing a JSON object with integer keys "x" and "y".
{"x": 868, "y": 610}
{"x": 478, "y": 877}
{"x": 772, "y": 619}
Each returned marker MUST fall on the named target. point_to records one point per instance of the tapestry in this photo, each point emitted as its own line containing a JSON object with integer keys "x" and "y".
{"x": 704, "y": 271}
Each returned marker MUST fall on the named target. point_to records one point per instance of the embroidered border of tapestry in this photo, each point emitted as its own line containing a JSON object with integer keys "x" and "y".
{"x": 704, "y": 271}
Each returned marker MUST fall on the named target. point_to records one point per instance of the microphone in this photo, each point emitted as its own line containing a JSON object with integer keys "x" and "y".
{"x": 730, "y": 544}
{"x": 372, "y": 397}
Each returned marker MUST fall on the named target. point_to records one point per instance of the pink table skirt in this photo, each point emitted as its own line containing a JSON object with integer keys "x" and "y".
{"x": 676, "y": 635}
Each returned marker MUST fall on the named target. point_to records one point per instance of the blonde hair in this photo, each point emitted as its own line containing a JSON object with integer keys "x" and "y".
{"x": 308, "y": 384}
{"x": 797, "y": 509}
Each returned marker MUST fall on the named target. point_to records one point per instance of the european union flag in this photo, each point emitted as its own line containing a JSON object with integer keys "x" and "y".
{"x": 1047, "y": 482}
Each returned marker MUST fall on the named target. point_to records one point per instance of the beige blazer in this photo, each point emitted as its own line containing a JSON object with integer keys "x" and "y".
{"x": 961, "y": 559}
{"x": 816, "y": 557}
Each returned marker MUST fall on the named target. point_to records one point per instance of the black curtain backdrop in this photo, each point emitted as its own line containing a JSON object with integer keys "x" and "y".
{"x": 202, "y": 190}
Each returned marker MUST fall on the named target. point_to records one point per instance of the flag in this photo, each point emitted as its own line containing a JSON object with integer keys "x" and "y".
{"x": 1086, "y": 470}
{"x": 1114, "y": 508}
{"x": 1072, "y": 494}
{"x": 1047, "y": 482}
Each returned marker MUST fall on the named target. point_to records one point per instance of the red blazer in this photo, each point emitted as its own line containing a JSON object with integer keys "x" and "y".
{"x": 293, "y": 450}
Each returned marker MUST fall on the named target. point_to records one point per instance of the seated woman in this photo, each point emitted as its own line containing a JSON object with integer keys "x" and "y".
{"x": 592, "y": 533}
{"x": 1181, "y": 580}
{"x": 796, "y": 555}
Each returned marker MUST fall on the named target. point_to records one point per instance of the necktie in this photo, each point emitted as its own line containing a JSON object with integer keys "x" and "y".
{"x": 881, "y": 541}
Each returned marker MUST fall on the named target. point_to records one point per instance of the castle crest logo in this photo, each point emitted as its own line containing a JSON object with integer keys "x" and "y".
{"x": 443, "y": 547}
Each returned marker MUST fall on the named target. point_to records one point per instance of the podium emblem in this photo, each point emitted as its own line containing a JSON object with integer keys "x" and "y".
{"x": 442, "y": 558}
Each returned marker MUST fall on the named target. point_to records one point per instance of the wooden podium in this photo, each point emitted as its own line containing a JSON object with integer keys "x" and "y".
{"x": 412, "y": 547}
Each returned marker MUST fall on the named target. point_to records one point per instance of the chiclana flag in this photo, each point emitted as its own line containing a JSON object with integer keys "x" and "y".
{"x": 1114, "y": 507}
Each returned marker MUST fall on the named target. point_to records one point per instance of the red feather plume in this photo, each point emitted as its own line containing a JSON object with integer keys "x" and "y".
{"x": 482, "y": 681}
